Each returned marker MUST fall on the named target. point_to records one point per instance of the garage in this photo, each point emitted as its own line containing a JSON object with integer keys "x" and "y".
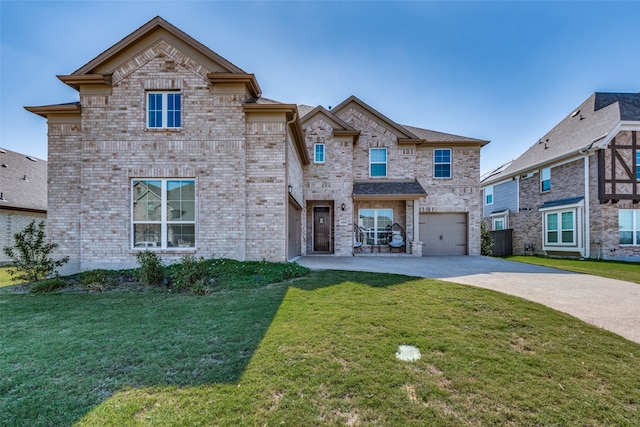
{"x": 443, "y": 234}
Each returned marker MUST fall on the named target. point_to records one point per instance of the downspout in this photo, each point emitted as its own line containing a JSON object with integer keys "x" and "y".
{"x": 587, "y": 224}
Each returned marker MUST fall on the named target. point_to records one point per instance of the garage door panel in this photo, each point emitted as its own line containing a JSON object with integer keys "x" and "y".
{"x": 443, "y": 234}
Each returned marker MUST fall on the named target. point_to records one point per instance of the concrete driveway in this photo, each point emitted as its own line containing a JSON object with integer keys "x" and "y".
{"x": 610, "y": 304}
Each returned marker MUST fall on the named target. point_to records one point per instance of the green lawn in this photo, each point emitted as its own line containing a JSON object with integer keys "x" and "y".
{"x": 629, "y": 271}
{"x": 317, "y": 350}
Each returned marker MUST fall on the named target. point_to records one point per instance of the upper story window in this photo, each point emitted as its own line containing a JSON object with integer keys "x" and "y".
{"x": 545, "y": 179}
{"x": 629, "y": 226}
{"x": 318, "y": 153}
{"x": 163, "y": 213}
{"x": 488, "y": 195}
{"x": 638, "y": 165}
{"x": 164, "y": 110}
{"x": 378, "y": 162}
{"x": 442, "y": 163}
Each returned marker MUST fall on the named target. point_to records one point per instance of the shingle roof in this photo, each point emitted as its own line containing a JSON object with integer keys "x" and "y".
{"x": 23, "y": 181}
{"x": 593, "y": 119}
{"x": 435, "y": 136}
{"x": 401, "y": 189}
{"x": 562, "y": 202}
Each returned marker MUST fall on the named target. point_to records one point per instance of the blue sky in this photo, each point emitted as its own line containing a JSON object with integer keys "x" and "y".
{"x": 503, "y": 71}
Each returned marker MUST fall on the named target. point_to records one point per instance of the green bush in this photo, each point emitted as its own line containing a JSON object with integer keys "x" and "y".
{"x": 192, "y": 271}
{"x": 151, "y": 271}
{"x": 47, "y": 285}
{"x": 31, "y": 254}
{"x": 95, "y": 280}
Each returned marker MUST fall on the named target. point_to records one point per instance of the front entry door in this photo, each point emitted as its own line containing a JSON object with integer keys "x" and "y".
{"x": 321, "y": 229}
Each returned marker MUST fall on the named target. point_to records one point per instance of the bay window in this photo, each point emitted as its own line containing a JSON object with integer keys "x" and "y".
{"x": 560, "y": 228}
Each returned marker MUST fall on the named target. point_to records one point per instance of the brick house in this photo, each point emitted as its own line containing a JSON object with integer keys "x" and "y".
{"x": 172, "y": 148}
{"x": 23, "y": 195}
{"x": 575, "y": 192}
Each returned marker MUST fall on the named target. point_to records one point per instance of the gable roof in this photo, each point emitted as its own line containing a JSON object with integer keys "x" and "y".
{"x": 585, "y": 127}
{"x": 432, "y": 136}
{"x": 23, "y": 182}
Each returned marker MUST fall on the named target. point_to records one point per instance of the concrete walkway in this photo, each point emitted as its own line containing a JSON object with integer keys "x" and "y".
{"x": 610, "y": 304}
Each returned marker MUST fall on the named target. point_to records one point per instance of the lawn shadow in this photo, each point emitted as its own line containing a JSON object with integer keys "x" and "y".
{"x": 103, "y": 344}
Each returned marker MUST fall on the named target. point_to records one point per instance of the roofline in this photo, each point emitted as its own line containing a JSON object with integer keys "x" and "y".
{"x": 373, "y": 111}
{"x": 45, "y": 110}
{"x": 16, "y": 208}
{"x": 145, "y": 29}
{"x": 394, "y": 196}
{"x": 249, "y": 80}
{"x": 76, "y": 80}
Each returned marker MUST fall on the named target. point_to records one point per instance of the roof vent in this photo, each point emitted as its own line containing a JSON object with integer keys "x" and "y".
{"x": 33, "y": 159}
{"x": 24, "y": 178}
{"x": 3, "y": 151}
{"x": 2, "y": 199}
{"x": 575, "y": 113}
{"x": 5, "y": 166}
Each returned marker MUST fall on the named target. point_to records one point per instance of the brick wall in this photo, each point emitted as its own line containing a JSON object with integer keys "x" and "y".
{"x": 12, "y": 222}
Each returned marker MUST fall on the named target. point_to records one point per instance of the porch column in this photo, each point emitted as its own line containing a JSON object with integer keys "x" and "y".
{"x": 416, "y": 244}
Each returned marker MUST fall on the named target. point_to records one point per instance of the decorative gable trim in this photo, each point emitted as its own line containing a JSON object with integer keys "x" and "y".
{"x": 249, "y": 80}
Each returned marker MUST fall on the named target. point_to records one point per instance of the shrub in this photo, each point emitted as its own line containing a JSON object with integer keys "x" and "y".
{"x": 486, "y": 242}
{"x": 47, "y": 285}
{"x": 31, "y": 254}
{"x": 95, "y": 280}
{"x": 151, "y": 271}
{"x": 192, "y": 273}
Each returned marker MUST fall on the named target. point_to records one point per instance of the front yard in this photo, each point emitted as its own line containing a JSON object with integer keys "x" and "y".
{"x": 316, "y": 350}
{"x": 628, "y": 271}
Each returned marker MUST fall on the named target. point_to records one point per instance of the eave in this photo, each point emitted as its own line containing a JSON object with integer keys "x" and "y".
{"x": 86, "y": 79}
{"x": 46, "y": 110}
{"x": 249, "y": 80}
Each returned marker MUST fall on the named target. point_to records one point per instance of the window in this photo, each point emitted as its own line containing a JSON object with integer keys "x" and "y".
{"x": 638, "y": 165}
{"x": 498, "y": 224}
{"x": 163, "y": 212}
{"x": 378, "y": 162}
{"x": 442, "y": 163}
{"x": 488, "y": 195}
{"x": 629, "y": 226}
{"x": 545, "y": 179}
{"x": 164, "y": 110}
{"x": 377, "y": 225}
{"x": 560, "y": 228}
{"x": 318, "y": 153}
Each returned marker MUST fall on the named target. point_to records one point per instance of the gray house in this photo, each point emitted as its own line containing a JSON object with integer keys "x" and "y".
{"x": 23, "y": 194}
{"x": 575, "y": 191}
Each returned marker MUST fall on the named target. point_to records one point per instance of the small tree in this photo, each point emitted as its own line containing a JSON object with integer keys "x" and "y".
{"x": 31, "y": 254}
{"x": 486, "y": 242}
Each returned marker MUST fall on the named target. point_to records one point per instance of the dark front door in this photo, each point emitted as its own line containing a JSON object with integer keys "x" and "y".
{"x": 321, "y": 229}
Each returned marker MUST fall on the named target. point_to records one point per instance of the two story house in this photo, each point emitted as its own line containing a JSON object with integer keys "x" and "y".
{"x": 172, "y": 148}
{"x": 575, "y": 192}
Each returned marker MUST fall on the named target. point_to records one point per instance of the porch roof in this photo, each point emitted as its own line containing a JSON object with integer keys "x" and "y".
{"x": 388, "y": 190}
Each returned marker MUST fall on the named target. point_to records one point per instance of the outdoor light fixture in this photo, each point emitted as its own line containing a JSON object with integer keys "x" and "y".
{"x": 342, "y": 206}
{"x": 290, "y": 189}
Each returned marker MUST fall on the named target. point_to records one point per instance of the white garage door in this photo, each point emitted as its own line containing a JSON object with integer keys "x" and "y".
{"x": 443, "y": 234}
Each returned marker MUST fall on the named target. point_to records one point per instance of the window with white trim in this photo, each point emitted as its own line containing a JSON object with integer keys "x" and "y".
{"x": 498, "y": 224}
{"x": 318, "y": 153}
{"x": 442, "y": 163}
{"x": 545, "y": 179}
{"x": 163, "y": 213}
{"x": 629, "y": 226}
{"x": 488, "y": 195}
{"x": 560, "y": 227}
{"x": 377, "y": 162}
{"x": 376, "y": 224}
{"x": 164, "y": 110}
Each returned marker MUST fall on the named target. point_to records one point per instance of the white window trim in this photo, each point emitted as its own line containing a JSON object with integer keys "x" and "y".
{"x": 577, "y": 244}
{"x": 163, "y": 216}
{"x": 495, "y": 221}
{"x": 488, "y": 191}
{"x": 503, "y": 215}
{"x": 324, "y": 155}
{"x": 385, "y": 163}
{"x": 634, "y": 230}
{"x": 165, "y": 109}
{"x": 376, "y": 229}
{"x": 450, "y": 163}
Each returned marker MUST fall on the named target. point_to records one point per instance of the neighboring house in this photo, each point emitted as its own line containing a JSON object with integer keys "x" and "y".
{"x": 575, "y": 192}
{"x": 172, "y": 148}
{"x": 23, "y": 195}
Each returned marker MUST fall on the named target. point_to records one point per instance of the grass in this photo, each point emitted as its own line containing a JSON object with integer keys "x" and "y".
{"x": 316, "y": 350}
{"x": 5, "y": 278}
{"x": 628, "y": 271}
